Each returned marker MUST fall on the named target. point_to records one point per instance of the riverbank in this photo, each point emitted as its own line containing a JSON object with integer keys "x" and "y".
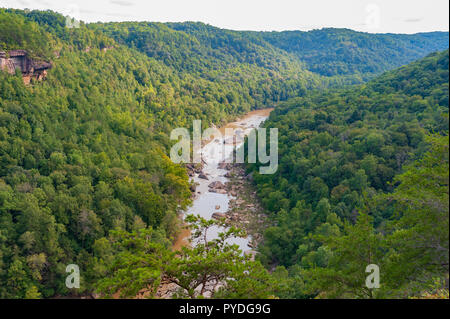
{"x": 245, "y": 209}
{"x": 223, "y": 191}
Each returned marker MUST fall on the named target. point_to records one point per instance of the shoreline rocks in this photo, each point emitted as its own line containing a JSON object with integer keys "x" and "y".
{"x": 217, "y": 185}
{"x": 218, "y": 215}
{"x": 218, "y": 191}
{"x": 245, "y": 210}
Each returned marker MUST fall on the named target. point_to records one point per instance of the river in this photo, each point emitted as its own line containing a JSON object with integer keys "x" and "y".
{"x": 206, "y": 203}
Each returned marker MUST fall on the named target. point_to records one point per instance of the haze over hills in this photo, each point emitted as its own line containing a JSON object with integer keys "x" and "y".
{"x": 83, "y": 151}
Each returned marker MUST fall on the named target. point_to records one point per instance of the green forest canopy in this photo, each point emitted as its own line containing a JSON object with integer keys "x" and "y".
{"x": 83, "y": 152}
{"x": 342, "y": 154}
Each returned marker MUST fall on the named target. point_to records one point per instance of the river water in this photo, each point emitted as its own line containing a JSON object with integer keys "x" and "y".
{"x": 214, "y": 151}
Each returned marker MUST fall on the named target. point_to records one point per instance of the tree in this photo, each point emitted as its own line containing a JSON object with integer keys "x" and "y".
{"x": 142, "y": 261}
{"x": 357, "y": 247}
{"x": 419, "y": 238}
{"x": 137, "y": 264}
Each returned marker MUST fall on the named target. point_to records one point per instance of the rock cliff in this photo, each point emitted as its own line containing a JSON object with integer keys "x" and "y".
{"x": 19, "y": 60}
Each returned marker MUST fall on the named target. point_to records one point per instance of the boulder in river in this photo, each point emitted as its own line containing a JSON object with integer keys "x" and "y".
{"x": 218, "y": 190}
{"x": 218, "y": 215}
{"x": 203, "y": 176}
{"x": 217, "y": 185}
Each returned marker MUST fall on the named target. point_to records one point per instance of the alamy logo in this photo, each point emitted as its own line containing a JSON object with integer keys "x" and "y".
{"x": 373, "y": 20}
{"x": 72, "y": 16}
{"x": 225, "y": 147}
{"x": 73, "y": 280}
{"x": 373, "y": 280}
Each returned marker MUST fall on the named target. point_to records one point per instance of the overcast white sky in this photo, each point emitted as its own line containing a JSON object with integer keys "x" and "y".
{"x": 380, "y": 16}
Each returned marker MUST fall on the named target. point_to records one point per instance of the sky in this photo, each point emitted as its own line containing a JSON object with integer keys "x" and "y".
{"x": 374, "y": 16}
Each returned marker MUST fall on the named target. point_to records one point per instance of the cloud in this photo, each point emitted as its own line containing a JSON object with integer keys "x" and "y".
{"x": 24, "y": 2}
{"x": 122, "y": 3}
{"x": 43, "y": 2}
{"x": 412, "y": 20}
{"x": 87, "y": 11}
{"x": 105, "y": 14}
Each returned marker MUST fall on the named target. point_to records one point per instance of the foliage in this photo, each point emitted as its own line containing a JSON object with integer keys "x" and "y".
{"x": 378, "y": 149}
{"x": 84, "y": 176}
{"x": 340, "y": 52}
{"x": 81, "y": 153}
{"x": 139, "y": 264}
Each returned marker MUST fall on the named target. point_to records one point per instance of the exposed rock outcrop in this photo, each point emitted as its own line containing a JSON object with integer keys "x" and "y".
{"x": 19, "y": 60}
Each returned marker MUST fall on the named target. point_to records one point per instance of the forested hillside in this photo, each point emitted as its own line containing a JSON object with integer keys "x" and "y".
{"x": 342, "y": 56}
{"x": 84, "y": 151}
{"x": 331, "y": 52}
{"x": 256, "y": 73}
{"x": 84, "y": 172}
{"x": 344, "y": 157}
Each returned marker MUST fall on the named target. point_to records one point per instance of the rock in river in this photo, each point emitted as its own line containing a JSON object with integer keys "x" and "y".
{"x": 217, "y": 185}
{"x": 218, "y": 191}
{"x": 218, "y": 215}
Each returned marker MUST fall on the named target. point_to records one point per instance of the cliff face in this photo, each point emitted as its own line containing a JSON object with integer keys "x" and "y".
{"x": 19, "y": 60}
